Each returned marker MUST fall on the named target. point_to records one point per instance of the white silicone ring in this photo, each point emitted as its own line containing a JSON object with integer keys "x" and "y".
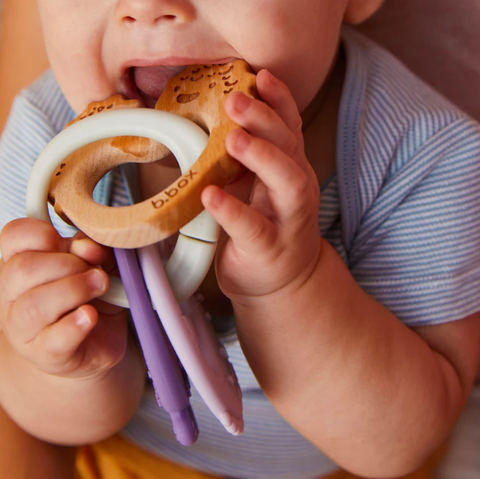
{"x": 182, "y": 137}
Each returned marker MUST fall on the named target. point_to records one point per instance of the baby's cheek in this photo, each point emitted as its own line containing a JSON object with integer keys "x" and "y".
{"x": 81, "y": 91}
{"x": 81, "y": 75}
{"x": 278, "y": 18}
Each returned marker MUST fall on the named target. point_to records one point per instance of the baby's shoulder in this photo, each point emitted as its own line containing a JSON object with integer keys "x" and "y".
{"x": 399, "y": 116}
{"x": 400, "y": 145}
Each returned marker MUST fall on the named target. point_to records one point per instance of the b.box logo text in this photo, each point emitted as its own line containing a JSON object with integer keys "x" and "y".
{"x": 172, "y": 192}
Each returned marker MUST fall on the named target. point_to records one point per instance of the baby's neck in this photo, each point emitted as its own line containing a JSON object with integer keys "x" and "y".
{"x": 320, "y": 121}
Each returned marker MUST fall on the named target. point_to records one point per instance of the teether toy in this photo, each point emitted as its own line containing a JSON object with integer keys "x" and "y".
{"x": 76, "y": 166}
{"x": 197, "y": 94}
{"x": 183, "y": 137}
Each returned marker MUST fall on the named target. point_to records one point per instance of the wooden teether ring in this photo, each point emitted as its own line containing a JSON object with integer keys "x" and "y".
{"x": 193, "y": 254}
{"x": 197, "y": 94}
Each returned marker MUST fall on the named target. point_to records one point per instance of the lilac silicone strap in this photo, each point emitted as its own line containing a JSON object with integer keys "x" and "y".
{"x": 162, "y": 363}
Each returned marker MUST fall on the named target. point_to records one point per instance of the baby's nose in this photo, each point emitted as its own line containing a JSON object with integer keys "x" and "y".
{"x": 152, "y": 11}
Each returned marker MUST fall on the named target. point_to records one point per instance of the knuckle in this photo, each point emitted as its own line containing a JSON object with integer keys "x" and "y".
{"x": 292, "y": 145}
{"x": 300, "y": 186}
{"x": 22, "y": 265}
{"x": 27, "y": 311}
{"x": 20, "y": 269}
{"x": 48, "y": 238}
{"x": 40, "y": 236}
{"x": 256, "y": 232}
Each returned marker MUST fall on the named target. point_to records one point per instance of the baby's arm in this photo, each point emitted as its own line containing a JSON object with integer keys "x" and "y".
{"x": 63, "y": 380}
{"x": 23, "y": 456}
{"x": 375, "y": 396}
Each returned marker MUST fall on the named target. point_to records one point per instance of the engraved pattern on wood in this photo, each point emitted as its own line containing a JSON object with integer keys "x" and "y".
{"x": 197, "y": 93}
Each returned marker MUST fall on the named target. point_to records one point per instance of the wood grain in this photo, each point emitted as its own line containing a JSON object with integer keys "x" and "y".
{"x": 198, "y": 93}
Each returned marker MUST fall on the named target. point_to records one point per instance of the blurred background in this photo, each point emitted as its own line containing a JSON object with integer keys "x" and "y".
{"x": 22, "y": 57}
{"x": 438, "y": 39}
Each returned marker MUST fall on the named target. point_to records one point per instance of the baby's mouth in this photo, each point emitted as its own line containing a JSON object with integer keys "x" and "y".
{"x": 148, "y": 83}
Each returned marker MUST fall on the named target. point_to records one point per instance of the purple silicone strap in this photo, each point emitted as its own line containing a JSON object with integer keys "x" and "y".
{"x": 162, "y": 363}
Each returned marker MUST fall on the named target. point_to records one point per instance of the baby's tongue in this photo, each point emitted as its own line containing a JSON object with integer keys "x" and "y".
{"x": 152, "y": 80}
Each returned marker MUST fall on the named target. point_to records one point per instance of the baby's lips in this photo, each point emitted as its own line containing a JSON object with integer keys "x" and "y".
{"x": 151, "y": 81}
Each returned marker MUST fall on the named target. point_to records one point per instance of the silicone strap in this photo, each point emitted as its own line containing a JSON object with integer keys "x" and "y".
{"x": 196, "y": 345}
{"x": 162, "y": 363}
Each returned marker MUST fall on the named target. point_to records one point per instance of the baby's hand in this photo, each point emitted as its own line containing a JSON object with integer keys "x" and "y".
{"x": 46, "y": 282}
{"x": 274, "y": 242}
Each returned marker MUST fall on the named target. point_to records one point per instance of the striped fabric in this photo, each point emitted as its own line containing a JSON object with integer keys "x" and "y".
{"x": 409, "y": 188}
{"x": 402, "y": 210}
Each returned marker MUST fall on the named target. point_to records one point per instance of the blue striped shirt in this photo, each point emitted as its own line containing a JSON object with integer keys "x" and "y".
{"x": 402, "y": 210}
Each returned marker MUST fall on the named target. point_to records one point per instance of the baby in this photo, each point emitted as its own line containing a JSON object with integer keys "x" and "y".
{"x": 357, "y": 330}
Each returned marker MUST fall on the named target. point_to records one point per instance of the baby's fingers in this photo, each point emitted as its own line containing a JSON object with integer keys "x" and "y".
{"x": 31, "y": 269}
{"x": 27, "y": 234}
{"x": 56, "y": 349}
{"x": 250, "y": 231}
{"x": 91, "y": 252}
{"x": 277, "y": 95}
{"x": 42, "y": 306}
{"x": 290, "y": 188}
{"x": 261, "y": 121}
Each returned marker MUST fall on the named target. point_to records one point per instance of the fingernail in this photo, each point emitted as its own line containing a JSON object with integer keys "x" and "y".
{"x": 242, "y": 102}
{"x": 82, "y": 320}
{"x": 96, "y": 280}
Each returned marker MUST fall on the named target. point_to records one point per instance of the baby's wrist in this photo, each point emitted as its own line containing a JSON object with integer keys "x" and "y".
{"x": 294, "y": 288}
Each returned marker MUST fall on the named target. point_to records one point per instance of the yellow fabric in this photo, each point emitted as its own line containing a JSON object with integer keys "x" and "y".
{"x": 115, "y": 458}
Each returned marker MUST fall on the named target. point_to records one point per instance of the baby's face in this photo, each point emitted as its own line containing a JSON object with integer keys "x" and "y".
{"x": 101, "y": 47}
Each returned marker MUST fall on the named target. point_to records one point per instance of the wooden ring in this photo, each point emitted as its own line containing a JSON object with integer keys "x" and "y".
{"x": 195, "y": 246}
{"x": 198, "y": 94}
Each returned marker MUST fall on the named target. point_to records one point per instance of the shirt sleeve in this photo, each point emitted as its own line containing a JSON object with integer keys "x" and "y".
{"x": 28, "y": 130}
{"x": 417, "y": 250}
